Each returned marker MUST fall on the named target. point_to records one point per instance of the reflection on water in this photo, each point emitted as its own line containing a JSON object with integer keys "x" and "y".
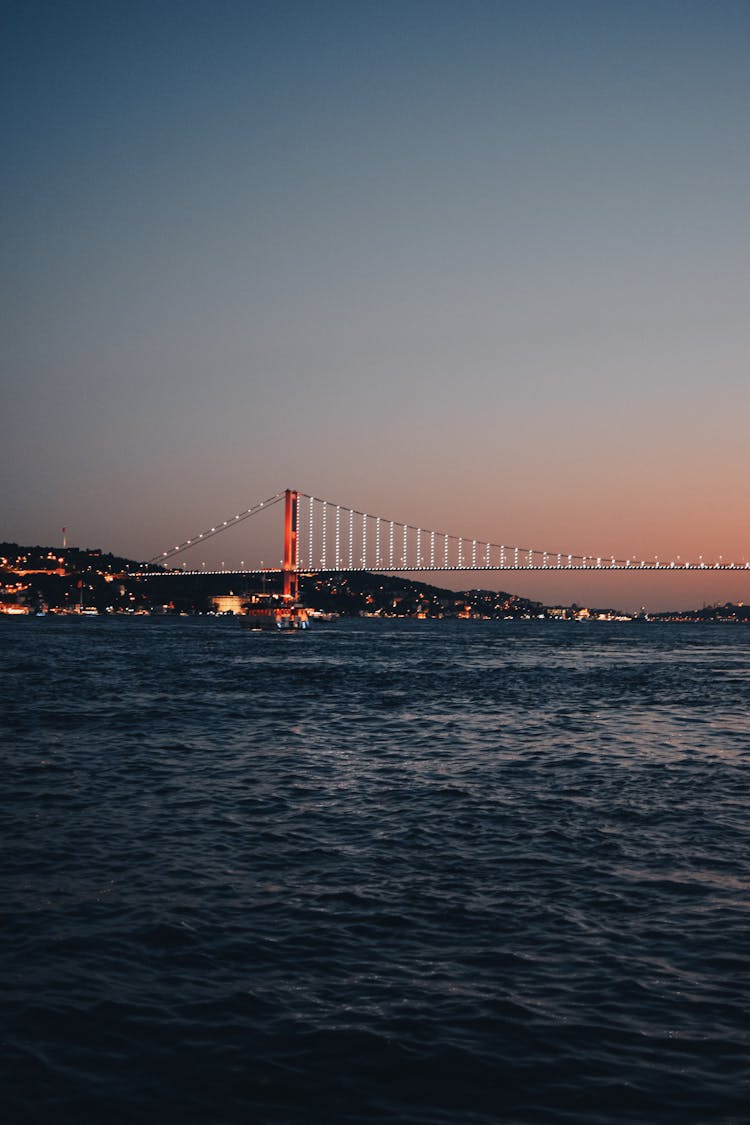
{"x": 385, "y": 871}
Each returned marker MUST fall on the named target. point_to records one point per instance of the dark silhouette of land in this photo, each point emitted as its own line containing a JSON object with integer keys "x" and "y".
{"x": 34, "y": 579}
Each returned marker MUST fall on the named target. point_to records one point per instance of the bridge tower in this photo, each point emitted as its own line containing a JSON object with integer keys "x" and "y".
{"x": 290, "y": 575}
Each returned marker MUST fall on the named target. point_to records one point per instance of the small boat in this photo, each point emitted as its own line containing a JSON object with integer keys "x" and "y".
{"x": 274, "y": 613}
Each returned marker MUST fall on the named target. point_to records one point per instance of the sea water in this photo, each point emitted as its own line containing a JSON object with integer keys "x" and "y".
{"x": 384, "y": 871}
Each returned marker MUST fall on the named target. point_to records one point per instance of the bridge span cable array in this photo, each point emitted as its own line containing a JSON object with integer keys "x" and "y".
{"x": 335, "y": 537}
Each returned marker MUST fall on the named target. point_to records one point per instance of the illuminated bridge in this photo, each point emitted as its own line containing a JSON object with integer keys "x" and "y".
{"x": 323, "y": 536}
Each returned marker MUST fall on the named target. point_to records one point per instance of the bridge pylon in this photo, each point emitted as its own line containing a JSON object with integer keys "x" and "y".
{"x": 290, "y": 587}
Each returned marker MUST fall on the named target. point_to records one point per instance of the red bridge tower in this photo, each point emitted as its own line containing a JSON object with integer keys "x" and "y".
{"x": 290, "y": 575}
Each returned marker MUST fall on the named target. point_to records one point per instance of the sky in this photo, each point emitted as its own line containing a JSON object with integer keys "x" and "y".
{"x": 481, "y": 267}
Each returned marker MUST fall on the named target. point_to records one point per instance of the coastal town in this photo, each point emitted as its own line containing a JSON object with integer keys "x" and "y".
{"x": 71, "y": 581}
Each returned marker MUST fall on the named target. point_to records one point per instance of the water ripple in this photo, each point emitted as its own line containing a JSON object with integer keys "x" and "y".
{"x": 410, "y": 872}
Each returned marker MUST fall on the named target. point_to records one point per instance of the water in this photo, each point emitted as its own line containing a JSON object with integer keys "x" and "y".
{"x": 413, "y": 872}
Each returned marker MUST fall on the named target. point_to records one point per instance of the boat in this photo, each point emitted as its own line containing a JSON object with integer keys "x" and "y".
{"x": 274, "y": 613}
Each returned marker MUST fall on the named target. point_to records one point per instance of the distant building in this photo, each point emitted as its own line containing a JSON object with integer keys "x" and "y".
{"x": 229, "y": 603}
{"x": 14, "y": 609}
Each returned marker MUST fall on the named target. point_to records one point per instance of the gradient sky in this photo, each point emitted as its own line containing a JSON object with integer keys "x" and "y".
{"x": 478, "y": 266}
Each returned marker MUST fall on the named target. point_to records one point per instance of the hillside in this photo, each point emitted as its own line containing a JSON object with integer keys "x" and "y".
{"x": 68, "y": 578}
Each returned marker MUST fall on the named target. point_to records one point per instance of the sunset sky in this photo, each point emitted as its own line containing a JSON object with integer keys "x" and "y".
{"x": 484, "y": 267}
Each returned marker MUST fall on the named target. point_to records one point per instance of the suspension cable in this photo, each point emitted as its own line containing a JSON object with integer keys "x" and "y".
{"x": 217, "y": 530}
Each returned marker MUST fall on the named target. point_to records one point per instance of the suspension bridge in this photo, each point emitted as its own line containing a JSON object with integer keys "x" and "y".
{"x": 322, "y": 536}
